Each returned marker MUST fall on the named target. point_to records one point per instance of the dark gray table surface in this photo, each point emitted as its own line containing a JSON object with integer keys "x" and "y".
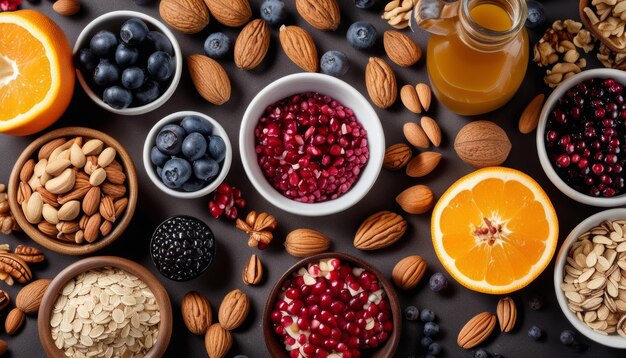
{"x": 453, "y": 309}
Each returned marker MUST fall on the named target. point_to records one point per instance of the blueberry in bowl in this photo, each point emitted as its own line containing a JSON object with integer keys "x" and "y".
{"x": 128, "y": 62}
{"x": 187, "y": 154}
{"x": 182, "y": 248}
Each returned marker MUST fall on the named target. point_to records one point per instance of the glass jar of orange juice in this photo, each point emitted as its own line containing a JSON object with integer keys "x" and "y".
{"x": 477, "y": 52}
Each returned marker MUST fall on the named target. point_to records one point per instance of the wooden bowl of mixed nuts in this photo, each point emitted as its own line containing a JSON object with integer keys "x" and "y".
{"x": 125, "y": 311}
{"x": 73, "y": 190}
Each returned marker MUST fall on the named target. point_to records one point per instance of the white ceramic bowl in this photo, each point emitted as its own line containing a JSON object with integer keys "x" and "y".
{"x": 176, "y": 118}
{"x": 618, "y": 75}
{"x": 346, "y": 95}
{"x": 112, "y": 21}
{"x": 614, "y": 340}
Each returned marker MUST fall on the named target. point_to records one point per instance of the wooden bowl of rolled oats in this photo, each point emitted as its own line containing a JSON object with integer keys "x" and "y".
{"x": 105, "y": 306}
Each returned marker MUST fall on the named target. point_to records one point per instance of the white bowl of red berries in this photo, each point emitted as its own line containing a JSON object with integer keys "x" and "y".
{"x": 128, "y": 62}
{"x": 311, "y": 144}
{"x": 332, "y": 305}
{"x": 581, "y": 137}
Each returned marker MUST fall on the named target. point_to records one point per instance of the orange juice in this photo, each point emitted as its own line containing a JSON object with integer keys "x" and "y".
{"x": 479, "y": 67}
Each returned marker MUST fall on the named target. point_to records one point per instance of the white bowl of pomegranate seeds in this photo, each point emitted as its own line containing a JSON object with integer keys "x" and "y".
{"x": 311, "y": 144}
{"x": 332, "y": 305}
{"x": 581, "y": 137}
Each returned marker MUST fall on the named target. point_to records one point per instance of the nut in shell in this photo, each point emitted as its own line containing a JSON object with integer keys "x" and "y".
{"x": 408, "y": 272}
{"x": 482, "y": 144}
{"x": 379, "y": 230}
{"x": 196, "y": 311}
{"x": 306, "y": 242}
{"x": 233, "y": 310}
{"x": 397, "y": 156}
{"x": 253, "y": 271}
{"x": 217, "y": 341}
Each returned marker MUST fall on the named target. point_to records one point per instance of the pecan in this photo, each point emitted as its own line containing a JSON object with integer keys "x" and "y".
{"x": 259, "y": 227}
{"x": 29, "y": 254}
{"x": 5, "y": 299}
{"x": 16, "y": 267}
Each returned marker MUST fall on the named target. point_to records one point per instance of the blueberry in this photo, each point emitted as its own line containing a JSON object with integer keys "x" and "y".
{"x": 194, "y": 146}
{"x": 335, "y": 63}
{"x": 87, "y": 61}
{"x": 156, "y": 41}
{"x": 159, "y": 171}
{"x": 193, "y": 185}
{"x": 535, "y": 303}
{"x": 434, "y": 349}
{"x": 273, "y": 11}
{"x": 431, "y": 329}
{"x": 217, "y": 45}
{"x": 157, "y": 157}
{"x": 117, "y": 97}
{"x": 147, "y": 93}
{"x": 106, "y": 73}
{"x": 103, "y": 44}
{"x": 206, "y": 169}
{"x": 170, "y": 139}
{"x": 133, "y": 31}
{"x": 133, "y": 78}
{"x": 126, "y": 56}
{"x": 217, "y": 148}
{"x": 361, "y": 35}
{"x": 176, "y": 172}
{"x": 425, "y": 342}
{"x": 438, "y": 282}
{"x": 427, "y": 315}
{"x": 567, "y": 337}
{"x": 411, "y": 313}
{"x": 195, "y": 124}
{"x": 481, "y": 353}
{"x": 535, "y": 333}
{"x": 364, "y": 4}
{"x": 160, "y": 66}
{"x": 536, "y": 14}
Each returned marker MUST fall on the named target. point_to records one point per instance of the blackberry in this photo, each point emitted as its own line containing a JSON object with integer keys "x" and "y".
{"x": 182, "y": 247}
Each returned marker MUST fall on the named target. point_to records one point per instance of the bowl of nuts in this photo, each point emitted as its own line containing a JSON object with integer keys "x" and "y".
{"x": 580, "y": 137}
{"x": 105, "y": 306}
{"x": 311, "y": 144}
{"x": 73, "y": 190}
{"x": 589, "y": 277}
{"x": 332, "y": 303}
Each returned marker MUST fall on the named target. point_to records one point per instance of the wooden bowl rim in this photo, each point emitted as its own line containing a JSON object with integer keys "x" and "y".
{"x": 585, "y": 20}
{"x": 387, "y": 350}
{"x": 55, "y": 245}
{"x": 59, "y": 281}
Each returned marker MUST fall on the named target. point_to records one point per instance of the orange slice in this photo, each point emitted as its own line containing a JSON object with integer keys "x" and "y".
{"x": 494, "y": 230}
{"x": 36, "y": 72}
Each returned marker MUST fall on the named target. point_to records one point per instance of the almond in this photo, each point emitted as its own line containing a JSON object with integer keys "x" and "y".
{"x": 482, "y": 144}
{"x": 24, "y": 193}
{"x": 91, "y": 202}
{"x": 409, "y": 99}
{"x": 196, "y": 311}
{"x": 33, "y": 208}
{"x": 417, "y": 199}
{"x": 66, "y": 7}
{"x": 322, "y": 14}
{"x": 380, "y": 81}
{"x": 507, "y": 314}
{"x": 92, "y": 229}
{"x": 50, "y": 214}
{"x": 47, "y": 228}
{"x": 105, "y": 228}
{"x": 233, "y": 310}
{"x": 252, "y": 44}
{"x": 424, "y": 94}
{"x": 78, "y": 193}
{"x": 115, "y": 175}
{"x": 77, "y": 157}
{"x": 299, "y": 47}
{"x": 92, "y": 147}
{"x": 107, "y": 208}
{"x": 401, "y": 49}
{"x": 415, "y": 135}
{"x": 30, "y": 296}
{"x": 27, "y": 170}
{"x": 423, "y": 164}
{"x": 97, "y": 177}
{"x": 397, "y": 156}
{"x": 432, "y": 130}
{"x": 306, "y": 242}
{"x": 408, "y": 272}
{"x": 120, "y": 205}
{"x": 14, "y": 321}
{"x": 48, "y": 148}
{"x": 530, "y": 117}
{"x": 231, "y": 13}
{"x": 48, "y": 197}
{"x": 217, "y": 341}
{"x": 57, "y": 166}
{"x": 477, "y": 330}
{"x": 113, "y": 190}
{"x": 253, "y": 271}
{"x": 187, "y": 16}
{"x": 209, "y": 78}
{"x": 63, "y": 183}
{"x": 379, "y": 230}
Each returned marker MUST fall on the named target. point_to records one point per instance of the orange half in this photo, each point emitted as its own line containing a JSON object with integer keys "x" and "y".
{"x": 494, "y": 230}
{"x": 36, "y": 72}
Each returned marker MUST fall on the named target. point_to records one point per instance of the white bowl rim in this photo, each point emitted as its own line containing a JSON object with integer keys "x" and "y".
{"x": 541, "y": 147}
{"x": 94, "y": 24}
{"x": 614, "y": 340}
{"x": 359, "y": 189}
{"x": 151, "y": 170}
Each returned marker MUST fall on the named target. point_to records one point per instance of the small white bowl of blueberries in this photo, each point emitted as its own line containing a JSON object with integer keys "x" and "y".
{"x": 187, "y": 154}
{"x": 127, "y": 62}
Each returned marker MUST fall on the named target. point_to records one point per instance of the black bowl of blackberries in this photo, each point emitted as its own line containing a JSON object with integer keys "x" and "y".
{"x": 128, "y": 62}
{"x": 581, "y": 137}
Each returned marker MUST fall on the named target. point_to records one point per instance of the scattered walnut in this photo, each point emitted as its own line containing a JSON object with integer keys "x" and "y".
{"x": 259, "y": 226}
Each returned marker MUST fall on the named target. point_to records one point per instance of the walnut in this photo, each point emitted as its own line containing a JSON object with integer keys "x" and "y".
{"x": 259, "y": 227}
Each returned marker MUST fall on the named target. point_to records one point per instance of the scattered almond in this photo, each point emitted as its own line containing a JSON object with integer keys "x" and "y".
{"x": 253, "y": 271}
{"x": 530, "y": 117}
{"x": 322, "y": 14}
{"x": 476, "y": 330}
{"x": 380, "y": 230}
{"x": 233, "y": 310}
{"x": 231, "y": 13}
{"x": 14, "y": 321}
{"x": 252, "y": 44}
{"x": 187, "y": 16}
{"x": 408, "y": 272}
{"x": 401, "y": 49}
{"x": 306, "y": 242}
{"x": 217, "y": 341}
{"x": 482, "y": 144}
{"x": 409, "y": 99}
{"x": 424, "y": 94}
{"x": 415, "y": 135}
{"x": 299, "y": 47}
{"x": 209, "y": 78}
{"x": 417, "y": 199}
{"x": 397, "y": 156}
{"x": 507, "y": 314}
{"x": 29, "y": 298}
{"x": 196, "y": 311}
{"x": 423, "y": 164}
{"x": 380, "y": 81}
{"x": 432, "y": 130}
{"x": 66, "y": 7}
